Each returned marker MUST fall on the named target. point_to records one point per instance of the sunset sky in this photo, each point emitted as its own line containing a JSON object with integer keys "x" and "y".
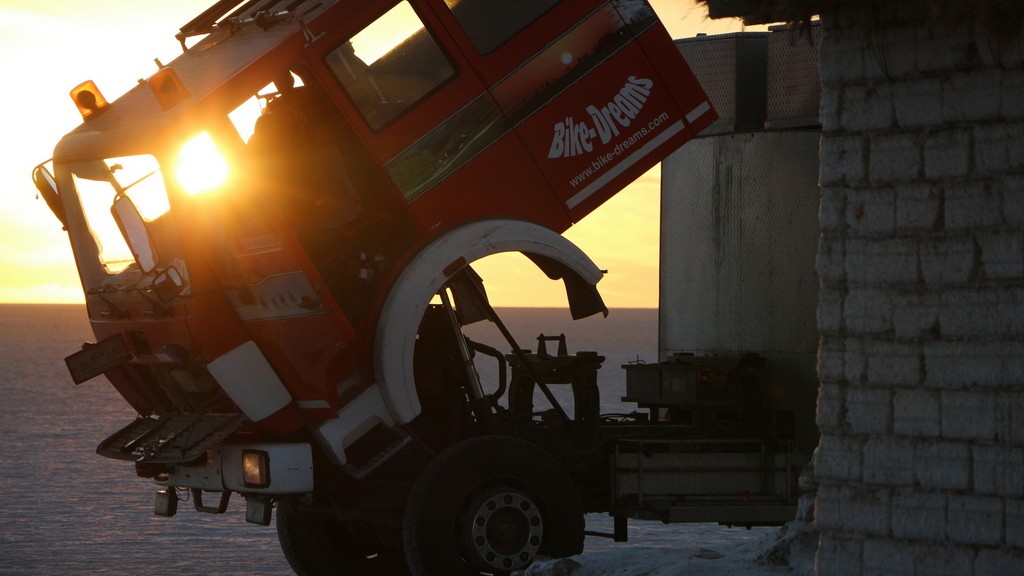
{"x": 49, "y": 46}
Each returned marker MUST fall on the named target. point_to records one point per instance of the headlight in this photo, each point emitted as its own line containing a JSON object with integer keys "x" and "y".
{"x": 256, "y": 468}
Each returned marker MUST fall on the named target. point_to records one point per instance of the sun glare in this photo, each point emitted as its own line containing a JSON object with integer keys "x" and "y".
{"x": 390, "y": 30}
{"x": 201, "y": 167}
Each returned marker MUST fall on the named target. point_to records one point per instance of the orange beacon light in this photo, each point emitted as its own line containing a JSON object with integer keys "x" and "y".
{"x": 168, "y": 88}
{"x": 88, "y": 99}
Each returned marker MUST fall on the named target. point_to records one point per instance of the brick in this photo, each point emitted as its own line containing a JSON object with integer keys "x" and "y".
{"x": 865, "y": 510}
{"x": 875, "y": 69}
{"x": 842, "y": 160}
{"x": 888, "y": 558}
{"x": 1005, "y": 423}
{"x": 968, "y": 415}
{"x": 831, "y": 260}
{"x": 916, "y": 316}
{"x": 840, "y": 60}
{"x": 831, "y": 360}
{"x": 829, "y": 107}
{"x": 1011, "y": 189}
{"x": 893, "y": 363}
{"x": 991, "y": 52}
{"x": 943, "y": 364}
{"x": 916, "y": 413}
{"x": 894, "y": 158}
{"x": 997, "y": 148}
{"x": 998, "y": 470}
{"x": 868, "y": 311}
{"x": 1014, "y": 403}
{"x": 831, "y": 409}
{"x": 947, "y": 154}
{"x": 942, "y": 52}
{"x": 1002, "y": 254}
{"x": 957, "y": 365}
{"x": 919, "y": 515}
{"x": 974, "y": 520}
{"x": 942, "y": 465}
{"x": 839, "y": 459}
{"x": 1012, "y": 87}
{"x": 871, "y": 212}
{"x": 897, "y": 50}
{"x": 971, "y": 96}
{"x": 918, "y": 102}
{"x": 966, "y": 313}
{"x": 983, "y": 312}
{"x": 830, "y": 310}
{"x": 971, "y": 205}
{"x": 832, "y": 210}
{"x": 854, "y": 362}
{"x": 889, "y": 461}
{"x": 839, "y": 555}
{"x": 951, "y": 260}
{"x": 1010, "y": 52}
{"x": 867, "y": 108}
{"x": 918, "y": 207}
{"x": 1015, "y": 523}
{"x": 869, "y": 410}
{"x": 828, "y": 507}
{"x": 999, "y": 561}
{"x": 882, "y": 260}
{"x": 944, "y": 560}
{"x": 907, "y": 14}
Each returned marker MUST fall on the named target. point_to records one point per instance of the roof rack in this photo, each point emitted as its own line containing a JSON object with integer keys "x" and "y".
{"x": 229, "y": 11}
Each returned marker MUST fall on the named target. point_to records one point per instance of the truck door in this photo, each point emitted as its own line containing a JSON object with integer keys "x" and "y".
{"x": 428, "y": 120}
{"x": 576, "y": 80}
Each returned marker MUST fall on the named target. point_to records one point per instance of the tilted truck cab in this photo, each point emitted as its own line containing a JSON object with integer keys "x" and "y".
{"x": 274, "y": 235}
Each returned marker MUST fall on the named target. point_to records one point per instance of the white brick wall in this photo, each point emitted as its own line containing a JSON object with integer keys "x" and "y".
{"x": 921, "y": 311}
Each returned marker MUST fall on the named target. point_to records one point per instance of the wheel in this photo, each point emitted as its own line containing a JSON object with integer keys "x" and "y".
{"x": 490, "y": 505}
{"x": 316, "y": 543}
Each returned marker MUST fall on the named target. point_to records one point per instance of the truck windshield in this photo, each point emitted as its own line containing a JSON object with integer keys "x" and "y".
{"x": 98, "y": 182}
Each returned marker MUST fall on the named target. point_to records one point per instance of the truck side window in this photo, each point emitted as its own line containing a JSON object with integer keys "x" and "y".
{"x": 489, "y": 24}
{"x": 390, "y": 65}
{"x": 297, "y": 153}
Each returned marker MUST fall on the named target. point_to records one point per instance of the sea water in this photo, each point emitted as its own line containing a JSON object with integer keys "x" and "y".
{"x": 66, "y": 510}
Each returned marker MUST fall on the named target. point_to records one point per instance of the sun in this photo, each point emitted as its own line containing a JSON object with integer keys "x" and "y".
{"x": 201, "y": 167}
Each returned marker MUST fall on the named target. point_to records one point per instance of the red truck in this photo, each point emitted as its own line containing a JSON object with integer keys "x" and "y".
{"x": 274, "y": 234}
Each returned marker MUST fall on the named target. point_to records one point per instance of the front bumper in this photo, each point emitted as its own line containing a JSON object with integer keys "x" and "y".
{"x": 288, "y": 470}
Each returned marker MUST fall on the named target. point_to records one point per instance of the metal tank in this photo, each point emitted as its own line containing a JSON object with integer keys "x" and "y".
{"x": 739, "y": 217}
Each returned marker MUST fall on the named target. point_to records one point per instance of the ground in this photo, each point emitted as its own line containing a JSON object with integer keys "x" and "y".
{"x": 720, "y": 552}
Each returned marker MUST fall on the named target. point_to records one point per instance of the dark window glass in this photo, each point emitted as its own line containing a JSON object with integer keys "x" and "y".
{"x": 390, "y": 65}
{"x": 489, "y": 23}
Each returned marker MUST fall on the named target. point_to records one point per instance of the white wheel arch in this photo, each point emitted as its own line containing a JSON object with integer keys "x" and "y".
{"x": 395, "y": 338}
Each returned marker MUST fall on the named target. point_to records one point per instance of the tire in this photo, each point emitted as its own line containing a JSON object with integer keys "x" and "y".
{"x": 318, "y": 544}
{"x": 490, "y": 505}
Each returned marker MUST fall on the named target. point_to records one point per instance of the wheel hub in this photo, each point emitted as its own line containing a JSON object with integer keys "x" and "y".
{"x": 506, "y": 531}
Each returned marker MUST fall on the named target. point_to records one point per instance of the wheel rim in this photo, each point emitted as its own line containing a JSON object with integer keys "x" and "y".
{"x": 506, "y": 530}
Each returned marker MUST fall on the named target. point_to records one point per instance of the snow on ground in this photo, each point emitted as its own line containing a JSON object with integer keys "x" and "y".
{"x": 768, "y": 552}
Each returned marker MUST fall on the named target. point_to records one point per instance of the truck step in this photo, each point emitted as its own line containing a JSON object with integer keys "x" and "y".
{"x": 170, "y": 439}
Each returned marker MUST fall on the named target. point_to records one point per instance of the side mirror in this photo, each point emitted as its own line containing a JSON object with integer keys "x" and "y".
{"x": 168, "y": 284}
{"x": 133, "y": 228}
{"x": 46, "y": 184}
